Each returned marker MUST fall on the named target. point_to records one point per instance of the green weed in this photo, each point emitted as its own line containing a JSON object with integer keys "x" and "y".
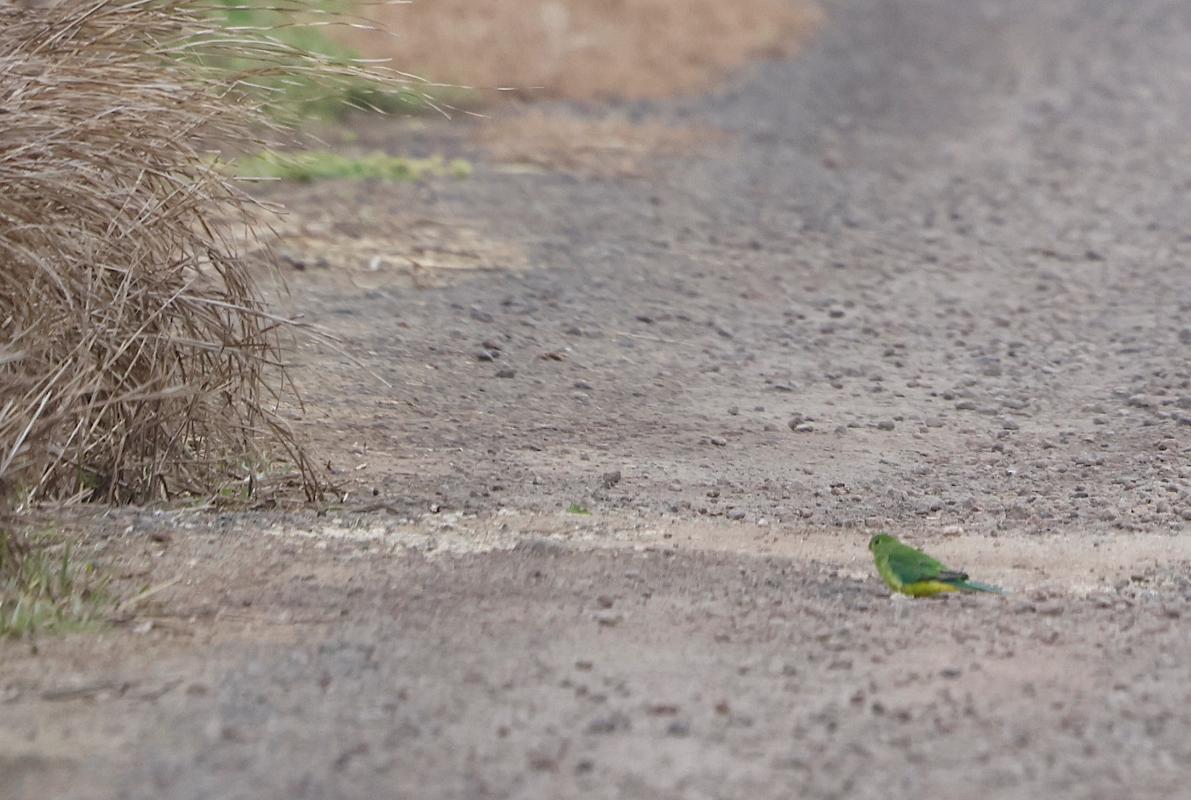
{"x": 316, "y": 165}
{"x": 44, "y": 587}
{"x": 318, "y": 95}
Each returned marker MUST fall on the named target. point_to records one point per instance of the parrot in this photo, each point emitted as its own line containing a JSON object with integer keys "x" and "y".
{"x": 913, "y": 572}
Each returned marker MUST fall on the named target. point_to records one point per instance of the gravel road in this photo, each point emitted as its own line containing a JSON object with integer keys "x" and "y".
{"x": 933, "y": 281}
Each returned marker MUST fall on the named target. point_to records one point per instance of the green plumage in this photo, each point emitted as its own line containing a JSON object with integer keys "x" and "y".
{"x": 913, "y": 572}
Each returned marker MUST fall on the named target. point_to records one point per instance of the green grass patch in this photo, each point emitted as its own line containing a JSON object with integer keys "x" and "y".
{"x": 44, "y": 587}
{"x": 318, "y": 165}
{"x": 576, "y": 508}
{"x": 317, "y": 96}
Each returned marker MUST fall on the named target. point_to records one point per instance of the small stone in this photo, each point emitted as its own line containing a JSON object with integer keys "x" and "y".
{"x": 886, "y": 425}
{"x": 678, "y": 728}
{"x": 733, "y": 411}
{"x": 1010, "y": 425}
{"x": 292, "y": 260}
{"x": 583, "y": 386}
{"x": 506, "y": 373}
{"x": 803, "y": 427}
{"x": 966, "y": 405}
{"x": 487, "y": 355}
{"x": 610, "y": 479}
{"x": 609, "y": 724}
{"x": 736, "y": 514}
{"x": 607, "y": 618}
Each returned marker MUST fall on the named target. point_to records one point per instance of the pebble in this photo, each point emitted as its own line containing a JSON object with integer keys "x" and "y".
{"x": 506, "y": 373}
{"x": 609, "y": 724}
{"x": 678, "y": 728}
{"x": 607, "y": 618}
{"x": 886, "y": 425}
{"x": 736, "y": 514}
{"x": 803, "y": 427}
{"x": 1010, "y": 425}
{"x": 487, "y": 355}
{"x": 718, "y": 441}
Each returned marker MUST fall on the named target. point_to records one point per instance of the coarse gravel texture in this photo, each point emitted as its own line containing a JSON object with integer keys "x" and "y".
{"x": 934, "y": 281}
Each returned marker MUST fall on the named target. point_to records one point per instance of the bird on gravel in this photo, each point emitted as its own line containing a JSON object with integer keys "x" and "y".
{"x": 913, "y": 572}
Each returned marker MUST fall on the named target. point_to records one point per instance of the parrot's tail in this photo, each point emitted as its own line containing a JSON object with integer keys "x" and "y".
{"x": 976, "y": 586}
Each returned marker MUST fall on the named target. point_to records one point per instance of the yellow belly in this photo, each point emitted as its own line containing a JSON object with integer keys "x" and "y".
{"x": 926, "y": 588}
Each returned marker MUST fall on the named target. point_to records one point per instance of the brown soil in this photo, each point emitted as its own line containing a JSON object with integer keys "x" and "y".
{"x": 608, "y": 146}
{"x": 583, "y": 49}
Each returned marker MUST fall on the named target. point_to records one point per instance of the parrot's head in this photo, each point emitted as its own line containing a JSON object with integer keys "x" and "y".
{"x": 879, "y": 540}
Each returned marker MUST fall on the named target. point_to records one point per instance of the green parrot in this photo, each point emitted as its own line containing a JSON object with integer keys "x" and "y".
{"x": 913, "y": 572}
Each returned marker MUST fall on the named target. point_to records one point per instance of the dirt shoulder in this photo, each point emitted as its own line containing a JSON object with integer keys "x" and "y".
{"x": 586, "y": 50}
{"x": 549, "y": 656}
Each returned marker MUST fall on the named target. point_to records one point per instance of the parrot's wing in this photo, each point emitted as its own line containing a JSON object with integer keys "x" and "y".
{"x": 912, "y": 565}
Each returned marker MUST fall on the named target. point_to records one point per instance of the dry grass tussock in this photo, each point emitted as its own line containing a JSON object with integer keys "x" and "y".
{"x": 137, "y": 358}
